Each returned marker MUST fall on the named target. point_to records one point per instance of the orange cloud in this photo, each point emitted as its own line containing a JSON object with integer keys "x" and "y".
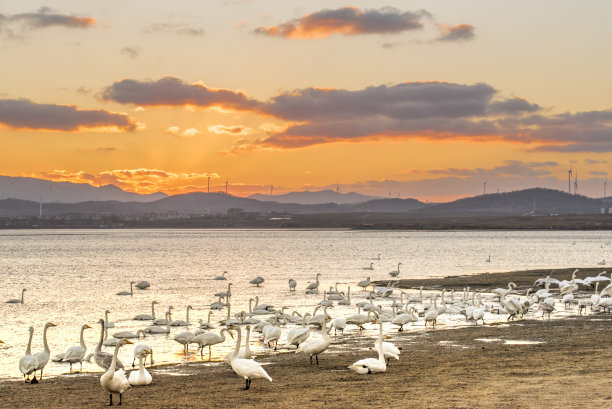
{"x": 236, "y": 130}
{"x": 347, "y": 21}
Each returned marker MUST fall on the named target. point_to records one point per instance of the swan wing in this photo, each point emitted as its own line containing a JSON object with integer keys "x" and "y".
{"x": 28, "y": 364}
{"x": 249, "y": 369}
{"x": 74, "y": 353}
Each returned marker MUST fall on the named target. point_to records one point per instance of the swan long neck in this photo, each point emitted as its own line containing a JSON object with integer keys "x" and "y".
{"x": 236, "y": 350}
{"x": 99, "y": 346}
{"x": 45, "y": 339}
{"x": 250, "y": 305}
{"x": 228, "y": 311}
{"x": 188, "y": 308}
{"x": 131, "y": 288}
{"x": 140, "y": 366}
{"x": 22, "y": 292}
{"x": 29, "y": 348}
{"x": 82, "y": 340}
{"x": 153, "y": 310}
{"x": 246, "y": 341}
{"x": 209, "y": 314}
{"x": 379, "y": 347}
{"x": 111, "y": 368}
{"x": 304, "y": 319}
{"x": 324, "y": 330}
{"x": 596, "y": 286}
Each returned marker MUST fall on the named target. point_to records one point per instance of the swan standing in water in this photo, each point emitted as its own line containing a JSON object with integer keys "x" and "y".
{"x": 181, "y": 323}
{"x": 43, "y": 356}
{"x": 210, "y": 339}
{"x": 395, "y": 273}
{"x": 28, "y": 363}
{"x": 364, "y": 283}
{"x": 292, "y": 284}
{"x": 77, "y": 353}
{"x": 17, "y": 300}
{"x": 104, "y": 359}
{"x": 140, "y": 377}
{"x": 115, "y": 381}
{"x": 257, "y": 281}
{"x": 143, "y": 285}
{"x": 372, "y": 365}
{"x": 247, "y": 368}
{"x": 221, "y": 277}
{"x": 106, "y": 321}
{"x": 131, "y": 292}
{"x": 313, "y": 287}
{"x": 147, "y": 317}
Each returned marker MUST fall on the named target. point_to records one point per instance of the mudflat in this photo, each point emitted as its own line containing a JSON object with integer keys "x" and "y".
{"x": 473, "y": 367}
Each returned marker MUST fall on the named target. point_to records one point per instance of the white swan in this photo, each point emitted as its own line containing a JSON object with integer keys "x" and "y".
{"x": 295, "y": 336}
{"x": 142, "y": 351}
{"x": 17, "y": 300}
{"x": 147, "y": 317}
{"x": 142, "y": 376}
{"x": 209, "y": 339}
{"x": 77, "y": 353}
{"x": 28, "y": 363}
{"x": 404, "y": 318}
{"x": 338, "y": 324}
{"x": 247, "y": 368}
{"x": 107, "y": 323}
{"x": 158, "y": 329}
{"x": 131, "y": 292}
{"x": 104, "y": 359}
{"x": 272, "y": 333}
{"x": 181, "y": 323}
{"x": 292, "y": 284}
{"x": 315, "y": 346}
{"x": 164, "y": 321}
{"x": 184, "y": 338}
{"x": 372, "y": 365}
{"x": 115, "y": 381}
{"x": 207, "y": 324}
{"x": 346, "y": 300}
{"x": 43, "y": 356}
{"x": 432, "y": 314}
{"x": 370, "y": 267}
{"x": 503, "y": 291}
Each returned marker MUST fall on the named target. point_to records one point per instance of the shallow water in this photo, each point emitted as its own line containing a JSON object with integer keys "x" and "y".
{"x": 72, "y": 276}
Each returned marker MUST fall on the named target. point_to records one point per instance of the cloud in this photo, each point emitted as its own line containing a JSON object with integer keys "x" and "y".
{"x": 461, "y": 32}
{"x": 594, "y": 161}
{"x": 106, "y": 149}
{"x": 598, "y": 173}
{"x": 238, "y": 130}
{"x": 189, "y": 132}
{"x": 347, "y": 21}
{"x": 46, "y": 17}
{"x": 513, "y": 106}
{"x": 132, "y": 52}
{"x": 141, "y": 180}
{"x": 175, "y": 28}
{"x": 171, "y": 91}
{"x": 25, "y": 114}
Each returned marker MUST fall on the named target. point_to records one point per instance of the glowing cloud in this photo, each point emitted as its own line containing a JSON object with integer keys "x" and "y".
{"x": 347, "y": 21}
{"x": 461, "y": 32}
{"x": 46, "y": 17}
{"x": 174, "y": 92}
{"x": 25, "y": 114}
{"x": 238, "y": 130}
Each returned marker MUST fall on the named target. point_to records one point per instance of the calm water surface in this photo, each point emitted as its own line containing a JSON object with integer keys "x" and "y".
{"x": 72, "y": 276}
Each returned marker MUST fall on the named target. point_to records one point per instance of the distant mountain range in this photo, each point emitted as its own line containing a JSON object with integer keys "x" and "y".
{"x": 317, "y": 197}
{"x": 66, "y": 192}
{"x": 21, "y": 196}
{"x": 519, "y": 203}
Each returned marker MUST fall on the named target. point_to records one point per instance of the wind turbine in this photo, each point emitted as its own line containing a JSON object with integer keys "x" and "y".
{"x": 569, "y": 182}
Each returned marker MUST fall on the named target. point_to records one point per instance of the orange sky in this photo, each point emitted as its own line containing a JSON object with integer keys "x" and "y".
{"x": 425, "y": 100}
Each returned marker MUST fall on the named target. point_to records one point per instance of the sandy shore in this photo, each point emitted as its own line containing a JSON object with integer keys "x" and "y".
{"x": 569, "y": 367}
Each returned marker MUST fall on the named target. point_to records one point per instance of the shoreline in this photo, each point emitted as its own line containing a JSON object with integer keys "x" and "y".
{"x": 473, "y": 366}
{"x": 460, "y": 367}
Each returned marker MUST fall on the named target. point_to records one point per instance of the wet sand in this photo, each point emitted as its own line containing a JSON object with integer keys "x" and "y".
{"x": 570, "y": 367}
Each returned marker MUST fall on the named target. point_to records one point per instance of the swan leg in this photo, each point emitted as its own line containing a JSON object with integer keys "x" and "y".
{"x": 34, "y": 380}
{"x": 310, "y": 359}
{"x": 111, "y": 399}
{"x": 317, "y": 356}
{"x": 247, "y": 384}
{"x": 209, "y": 353}
{"x": 81, "y": 366}
{"x": 70, "y": 367}
{"x": 120, "y": 399}
{"x": 134, "y": 360}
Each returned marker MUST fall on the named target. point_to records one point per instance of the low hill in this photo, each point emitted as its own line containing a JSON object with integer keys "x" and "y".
{"x": 317, "y": 197}
{"x": 536, "y": 201}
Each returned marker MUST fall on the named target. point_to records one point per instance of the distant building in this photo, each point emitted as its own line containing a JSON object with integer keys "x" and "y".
{"x": 605, "y": 210}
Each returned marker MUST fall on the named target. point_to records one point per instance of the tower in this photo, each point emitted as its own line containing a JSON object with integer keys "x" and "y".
{"x": 208, "y": 188}
{"x": 576, "y": 183}
{"x": 605, "y": 188}
{"x": 484, "y": 188}
{"x": 226, "y": 182}
{"x": 569, "y": 182}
